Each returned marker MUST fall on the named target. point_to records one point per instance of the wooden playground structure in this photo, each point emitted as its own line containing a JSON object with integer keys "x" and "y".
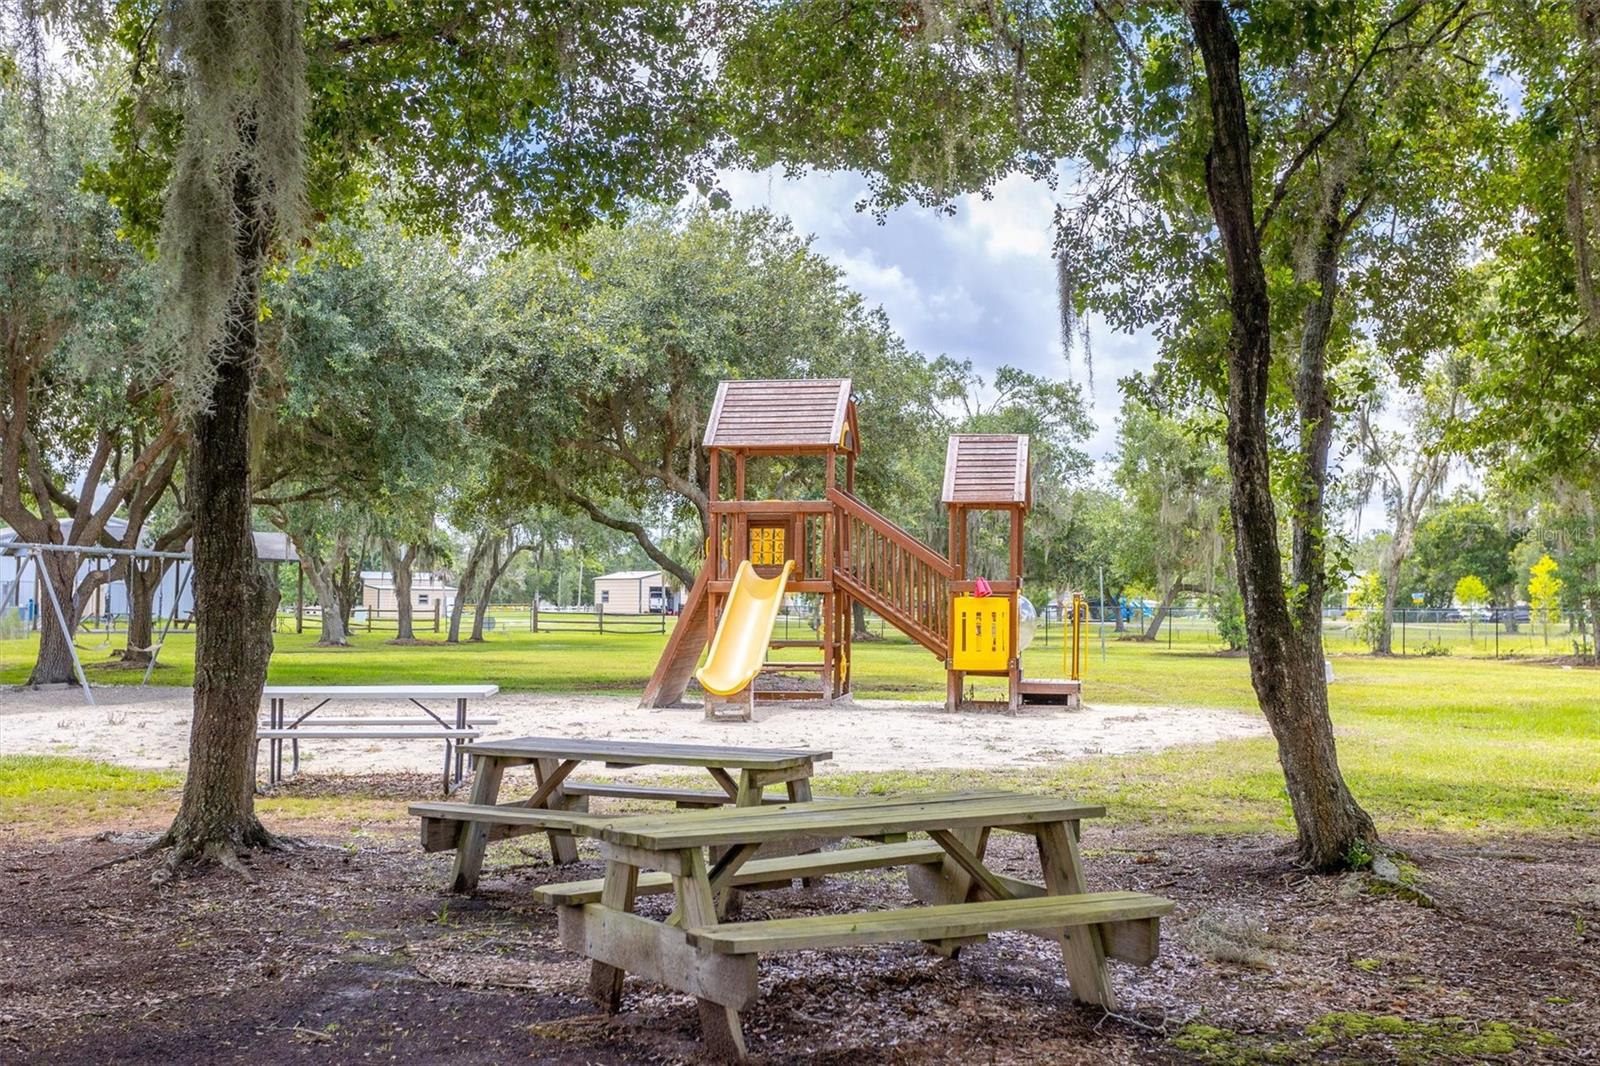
{"x": 841, "y": 550}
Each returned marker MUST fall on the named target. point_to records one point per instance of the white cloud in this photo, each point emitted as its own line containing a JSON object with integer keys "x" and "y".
{"x": 1014, "y": 222}
{"x": 979, "y": 285}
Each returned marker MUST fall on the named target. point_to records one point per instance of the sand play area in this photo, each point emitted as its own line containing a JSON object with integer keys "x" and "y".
{"x": 150, "y": 728}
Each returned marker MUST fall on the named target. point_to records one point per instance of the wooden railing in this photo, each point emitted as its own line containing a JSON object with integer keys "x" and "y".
{"x": 893, "y": 573}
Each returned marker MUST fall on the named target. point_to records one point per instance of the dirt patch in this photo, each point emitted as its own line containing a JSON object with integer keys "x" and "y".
{"x": 1566, "y": 662}
{"x": 149, "y": 727}
{"x": 349, "y": 949}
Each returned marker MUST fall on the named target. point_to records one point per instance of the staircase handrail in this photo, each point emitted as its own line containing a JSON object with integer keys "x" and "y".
{"x": 853, "y": 505}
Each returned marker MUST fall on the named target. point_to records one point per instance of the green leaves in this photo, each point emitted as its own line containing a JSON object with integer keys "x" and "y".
{"x": 370, "y": 380}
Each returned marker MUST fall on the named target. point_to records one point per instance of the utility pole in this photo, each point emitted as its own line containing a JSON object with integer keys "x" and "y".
{"x": 1102, "y": 614}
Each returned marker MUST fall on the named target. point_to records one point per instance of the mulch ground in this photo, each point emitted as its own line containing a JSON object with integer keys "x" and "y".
{"x": 351, "y": 952}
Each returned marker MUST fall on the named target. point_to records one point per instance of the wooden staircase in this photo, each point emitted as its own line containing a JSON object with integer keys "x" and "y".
{"x": 893, "y": 573}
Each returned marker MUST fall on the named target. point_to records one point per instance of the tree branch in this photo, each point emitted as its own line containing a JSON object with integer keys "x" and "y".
{"x": 1280, "y": 188}
{"x": 630, "y": 527}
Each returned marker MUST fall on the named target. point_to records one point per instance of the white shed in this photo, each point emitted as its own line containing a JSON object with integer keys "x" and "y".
{"x": 635, "y": 592}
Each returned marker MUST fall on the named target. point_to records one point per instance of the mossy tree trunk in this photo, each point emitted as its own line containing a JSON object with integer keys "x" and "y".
{"x": 499, "y": 559}
{"x": 235, "y": 598}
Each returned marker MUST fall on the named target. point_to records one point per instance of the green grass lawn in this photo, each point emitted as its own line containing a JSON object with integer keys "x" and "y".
{"x": 1447, "y": 742}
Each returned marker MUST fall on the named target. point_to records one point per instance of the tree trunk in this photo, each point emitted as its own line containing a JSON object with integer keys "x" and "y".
{"x": 348, "y": 582}
{"x": 399, "y": 560}
{"x": 143, "y": 577}
{"x": 323, "y": 575}
{"x": 1153, "y": 630}
{"x": 335, "y": 631}
{"x": 480, "y": 606}
{"x": 497, "y": 568}
{"x": 234, "y": 598}
{"x": 1285, "y": 668}
{"x": 54, "y": 664}
{"x": 858, "y": 616}
{"x": 469, "y": 575}
{"x": 1594, "y": 624}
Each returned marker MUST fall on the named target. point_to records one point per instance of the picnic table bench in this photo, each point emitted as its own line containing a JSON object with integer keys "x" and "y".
{"x": 558, "y": 806}
{"x": 695, "y": 951}
{"x": 430, "y": 725}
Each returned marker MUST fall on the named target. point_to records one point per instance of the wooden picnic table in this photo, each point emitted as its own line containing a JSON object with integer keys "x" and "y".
{"x": 695, "y": 951}
{"x": 430, "y": 725}
{"x": 558, "y": 805}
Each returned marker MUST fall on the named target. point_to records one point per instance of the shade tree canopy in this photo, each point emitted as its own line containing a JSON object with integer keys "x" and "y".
{"x": 241, "y": 114}
{"x": 90, "y": 441}
{"x": 368, "y": 370}
{"x": 1225, "y": 175}
{"x": 1304, "y": 203}
{"x": 602, "y": 361}
{"x": 1465, "y": 535}
{"x": 1174, "y": 478}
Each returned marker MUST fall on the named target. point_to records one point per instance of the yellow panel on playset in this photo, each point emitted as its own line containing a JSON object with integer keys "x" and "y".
{"x": 767, "y": 546}
{"x": 980, "y": 633}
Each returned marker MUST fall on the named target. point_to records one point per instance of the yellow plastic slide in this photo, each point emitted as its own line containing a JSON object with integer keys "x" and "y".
{"x": 740, "y": 645}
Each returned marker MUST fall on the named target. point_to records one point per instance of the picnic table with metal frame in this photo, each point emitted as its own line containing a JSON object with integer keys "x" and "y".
{"x": 558, "y": 805}
{"x": 695, "y": 951}
{"x": 430, "y": 725}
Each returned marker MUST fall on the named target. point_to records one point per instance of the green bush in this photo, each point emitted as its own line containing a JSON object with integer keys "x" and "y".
{"x": 1227, "y": 607}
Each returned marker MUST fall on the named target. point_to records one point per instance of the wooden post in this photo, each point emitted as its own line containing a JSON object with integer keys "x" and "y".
{"x": 474, "y": 838}
{"x": 719, "y": 1024}
{"x": 830, "y": 622}
{"x": 714, "y": 522}
{"x": 300, "y": 597}
{"x": 600, "y": 614}
{"x": 957, "y": 523}
{"x": 563, "y": 848}
{"x": 847, "y": 617}
{"x": 436, "y": 605}
{"x": 605, "y": 982}
{"x": 1082, "y": 948}
{"x": 1014, "y": 681}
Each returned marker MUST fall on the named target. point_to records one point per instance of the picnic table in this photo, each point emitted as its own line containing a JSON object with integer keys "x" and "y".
{"x": 695, "y": 951}
{"x": 430, "y": 725}
{"x": 559, "y": 806}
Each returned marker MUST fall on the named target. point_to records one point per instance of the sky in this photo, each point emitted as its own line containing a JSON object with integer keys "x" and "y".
{"x": 979, "y": 285}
